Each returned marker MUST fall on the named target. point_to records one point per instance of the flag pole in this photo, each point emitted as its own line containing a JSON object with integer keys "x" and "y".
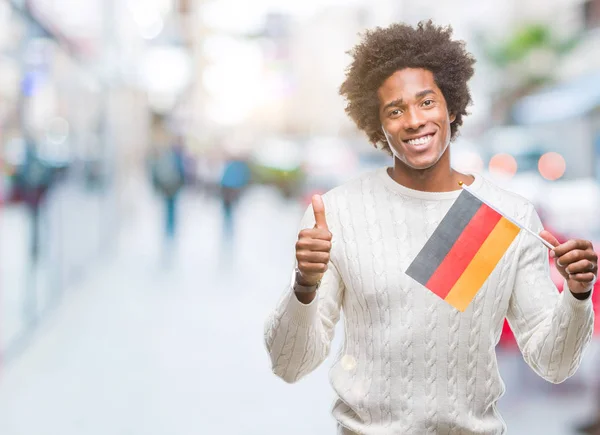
{"x": 537, "y": 236}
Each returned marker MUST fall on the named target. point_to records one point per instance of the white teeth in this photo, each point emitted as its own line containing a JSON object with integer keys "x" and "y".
{"x": 420, "y": 141}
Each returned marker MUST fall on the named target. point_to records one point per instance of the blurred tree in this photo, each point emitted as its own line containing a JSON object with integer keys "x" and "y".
{"x": 526, "y": 61}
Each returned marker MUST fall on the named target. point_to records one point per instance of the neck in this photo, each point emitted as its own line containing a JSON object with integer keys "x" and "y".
{"x": 438, "y": 178}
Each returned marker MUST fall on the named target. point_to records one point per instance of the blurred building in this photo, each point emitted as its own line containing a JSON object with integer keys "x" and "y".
{"x": 79, "y": 84}
{"x": 565, "y": 110}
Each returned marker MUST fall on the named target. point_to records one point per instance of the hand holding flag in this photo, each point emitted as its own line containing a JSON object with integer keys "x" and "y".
{"x": 470, "y": 241}
{"x": 576, "y": 261}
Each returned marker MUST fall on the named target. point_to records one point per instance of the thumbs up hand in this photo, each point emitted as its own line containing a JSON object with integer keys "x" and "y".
{"x": 314, "y": 246}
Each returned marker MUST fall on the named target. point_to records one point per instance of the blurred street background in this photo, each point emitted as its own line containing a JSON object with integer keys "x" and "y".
{"x": 156, "y": 157}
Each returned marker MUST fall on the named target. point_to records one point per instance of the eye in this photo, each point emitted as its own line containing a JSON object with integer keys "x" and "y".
{"x": 427, "y": 103}
{"x": 394, "y": 113}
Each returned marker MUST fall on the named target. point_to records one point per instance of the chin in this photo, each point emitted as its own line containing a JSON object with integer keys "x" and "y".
{"x": 421, "y": 164}
{"x": 422, "y": 167}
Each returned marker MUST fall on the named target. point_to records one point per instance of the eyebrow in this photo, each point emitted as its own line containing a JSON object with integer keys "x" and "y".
{"x": 398, "y": 102}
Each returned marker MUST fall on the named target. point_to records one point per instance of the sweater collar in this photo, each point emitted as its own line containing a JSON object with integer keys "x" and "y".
{"x": 396, "y": 187}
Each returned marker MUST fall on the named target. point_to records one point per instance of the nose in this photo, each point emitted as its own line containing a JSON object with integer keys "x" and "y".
{"x": 414, "y": 120}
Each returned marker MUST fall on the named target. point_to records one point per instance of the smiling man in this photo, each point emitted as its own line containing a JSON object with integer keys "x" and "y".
{"x": 411, "y": 363}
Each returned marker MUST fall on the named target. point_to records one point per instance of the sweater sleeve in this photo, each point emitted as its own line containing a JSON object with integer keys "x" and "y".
{"x": 552, "y": 329}
{"x": 298, "y": 336}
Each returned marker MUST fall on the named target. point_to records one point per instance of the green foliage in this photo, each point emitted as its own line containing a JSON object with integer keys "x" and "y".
{"x": 523, "y": 41}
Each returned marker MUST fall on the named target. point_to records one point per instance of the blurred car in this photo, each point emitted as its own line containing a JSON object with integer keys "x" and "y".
{"x": 277, "y": 162}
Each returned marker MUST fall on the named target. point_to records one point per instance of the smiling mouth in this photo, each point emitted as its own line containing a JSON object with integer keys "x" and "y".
{"x": 421, "y": 141}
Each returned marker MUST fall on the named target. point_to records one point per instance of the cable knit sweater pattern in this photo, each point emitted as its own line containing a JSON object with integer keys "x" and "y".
{"x": 410, "y": 362}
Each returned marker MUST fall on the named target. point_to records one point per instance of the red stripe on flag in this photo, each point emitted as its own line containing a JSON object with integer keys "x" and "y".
{"x": 463, "y": 251}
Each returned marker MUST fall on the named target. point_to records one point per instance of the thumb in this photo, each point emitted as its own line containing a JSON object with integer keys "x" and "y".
{"x": 319, "y": 210}
{"x": 547, "y": 236}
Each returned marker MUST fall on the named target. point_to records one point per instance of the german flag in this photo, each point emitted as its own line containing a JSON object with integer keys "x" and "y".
{"x": 463, "y": 250}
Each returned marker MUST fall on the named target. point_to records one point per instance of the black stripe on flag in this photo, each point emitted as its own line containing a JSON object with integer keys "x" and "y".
{"x": 444, "y": 237}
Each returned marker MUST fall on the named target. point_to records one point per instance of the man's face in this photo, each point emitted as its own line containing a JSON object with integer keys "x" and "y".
{"x": 414, "y": 117}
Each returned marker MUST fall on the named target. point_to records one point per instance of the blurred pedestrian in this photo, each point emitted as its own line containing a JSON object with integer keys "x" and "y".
{"x": 591, "y": 427}
{"x": 32, "y": 181}
{"x": 417, "y": 360}
{"x": 235, "y": 178}
{"x": 168, "y": 176}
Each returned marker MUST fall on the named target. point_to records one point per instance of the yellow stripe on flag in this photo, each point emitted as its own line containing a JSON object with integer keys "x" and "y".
{"x": 482, "y": 265}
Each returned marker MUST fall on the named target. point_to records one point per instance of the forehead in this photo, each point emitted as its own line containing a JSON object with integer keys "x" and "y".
{"x": 405, "y": 84}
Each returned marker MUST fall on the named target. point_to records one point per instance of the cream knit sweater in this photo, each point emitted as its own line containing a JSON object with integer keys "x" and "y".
{"x": 411, "y": 363}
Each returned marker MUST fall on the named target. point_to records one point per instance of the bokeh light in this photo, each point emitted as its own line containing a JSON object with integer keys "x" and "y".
{"x": 503, "y": 164}
{"x": 469, "y": 161}
{"x": 552, "y": 166}
{"x": 57, "y": 130}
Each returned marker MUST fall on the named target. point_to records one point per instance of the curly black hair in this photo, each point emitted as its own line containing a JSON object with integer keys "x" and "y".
{"x": 383, "y": 51}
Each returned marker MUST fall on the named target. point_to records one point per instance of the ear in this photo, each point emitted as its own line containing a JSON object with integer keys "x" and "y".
{"x": 452, "y": 118}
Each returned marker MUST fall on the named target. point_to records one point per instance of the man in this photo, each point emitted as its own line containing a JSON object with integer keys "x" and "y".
{"x": 235, "y": 179}
{"x": 168, "y": 177}
{"x": 411, "y": 363}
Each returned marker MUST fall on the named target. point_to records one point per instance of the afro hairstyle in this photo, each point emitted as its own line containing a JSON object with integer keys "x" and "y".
{"x": 383, "y": 51}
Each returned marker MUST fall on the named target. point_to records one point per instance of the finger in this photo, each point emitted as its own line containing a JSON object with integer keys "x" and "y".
{"x": 547, "y": 236}
{"x": 319, "y": 210}
{"x": 316, "y": 245}
{"x": 571, "y": 245}
{"x": 583, "y": 277}
{"x": 315, "y": 233}
{"x": 587, "y": 259}
{"x": 581, "y": 266}
{"x": 572, "y": 257}
{"x": 312, "y": 257}
{"x": 312, "y": 268}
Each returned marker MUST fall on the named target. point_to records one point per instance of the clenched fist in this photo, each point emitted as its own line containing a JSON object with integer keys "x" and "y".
{"x": 313, "y": 247}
